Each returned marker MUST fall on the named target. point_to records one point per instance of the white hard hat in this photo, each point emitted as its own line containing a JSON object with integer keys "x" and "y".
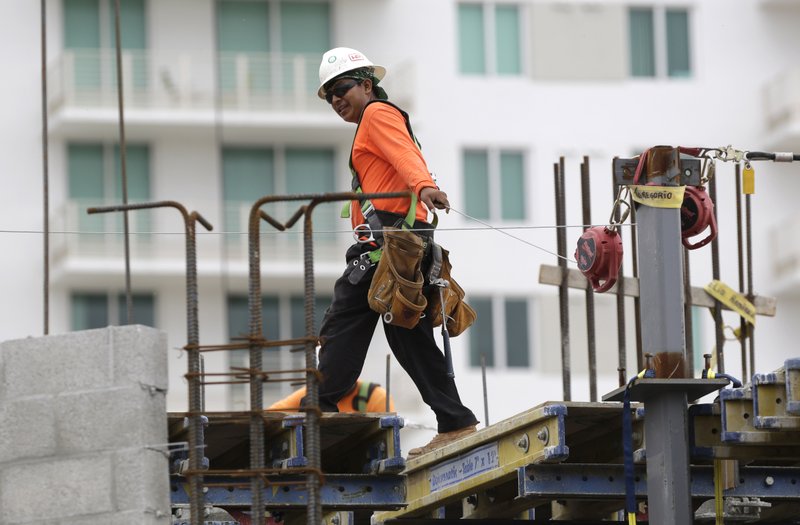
{"x": 341, "y": 60}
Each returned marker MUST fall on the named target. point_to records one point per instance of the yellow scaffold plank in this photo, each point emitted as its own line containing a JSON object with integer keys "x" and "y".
{"x": 770, "y": 400}
{"x": 491, "y": 456}
{"x": 705, "y": 428}
{"x": 737, "y": 416}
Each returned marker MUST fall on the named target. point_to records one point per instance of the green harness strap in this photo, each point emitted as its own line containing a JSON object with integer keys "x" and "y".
{"x": 367, "y": 204}
{"x": 362, "y": 397}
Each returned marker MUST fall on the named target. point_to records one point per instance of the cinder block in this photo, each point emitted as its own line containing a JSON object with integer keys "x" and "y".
{"x": 130, "y": 517}
{"x": 56, "y": 489}
{"x": 139, "y": 356}
{"x": 55, "y": 364}
{"x": 141, "y": 480}
{"x": 109, "y": 419}
{"x": 27, "y": 429}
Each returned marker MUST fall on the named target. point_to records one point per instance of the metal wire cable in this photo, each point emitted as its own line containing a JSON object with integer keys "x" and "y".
{"x": 290, "y": 232}
{"x": 489, "y": 226}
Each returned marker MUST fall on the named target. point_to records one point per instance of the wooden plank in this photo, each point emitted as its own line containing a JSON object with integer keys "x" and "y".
{"x": 549, "y": 274}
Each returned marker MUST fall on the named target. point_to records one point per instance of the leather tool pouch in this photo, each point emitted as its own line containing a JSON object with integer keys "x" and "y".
{"x": 396, "y": 288}
{"x": 460, "y": 315}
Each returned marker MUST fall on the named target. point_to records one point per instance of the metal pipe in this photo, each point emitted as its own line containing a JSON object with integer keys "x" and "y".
{"x": 717, "y": 310}
{"x": 123, "y": 165}
{"x": 589, "y": 293}
{"x": 45, "y": 174}
{"x": 563, "y": 293}
{"x": 196, "y": 504}
{"x": 740, "y": 261}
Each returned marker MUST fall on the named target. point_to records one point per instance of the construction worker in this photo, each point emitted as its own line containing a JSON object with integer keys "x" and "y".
{"x": 385, "y": 157}
{"x": 363, "y": 397}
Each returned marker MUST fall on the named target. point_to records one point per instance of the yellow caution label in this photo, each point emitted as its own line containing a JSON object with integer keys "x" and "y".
{"x": 748, "y": 179}
{"x": 732, "y": 299}
{"x": 658, "y": 196}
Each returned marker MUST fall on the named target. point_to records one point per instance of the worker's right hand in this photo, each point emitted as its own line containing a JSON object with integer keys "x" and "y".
{"x": 434, "y": 198}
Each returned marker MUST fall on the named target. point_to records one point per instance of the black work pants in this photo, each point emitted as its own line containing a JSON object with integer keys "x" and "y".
{"x": 345, "y": 335}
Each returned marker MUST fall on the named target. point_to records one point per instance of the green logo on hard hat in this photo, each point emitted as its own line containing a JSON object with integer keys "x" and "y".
{"x": 331, "y": 59}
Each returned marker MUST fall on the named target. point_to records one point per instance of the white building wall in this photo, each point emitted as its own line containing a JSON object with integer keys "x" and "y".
{"x": 564, "y": 104}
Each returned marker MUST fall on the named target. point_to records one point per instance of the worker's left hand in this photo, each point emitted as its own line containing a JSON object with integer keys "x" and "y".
{"x": 434, "y": 198}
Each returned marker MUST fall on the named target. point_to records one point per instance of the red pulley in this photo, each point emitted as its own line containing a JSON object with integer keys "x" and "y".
{"x": 697, "y": 214}
{"x": 599, "y": 255}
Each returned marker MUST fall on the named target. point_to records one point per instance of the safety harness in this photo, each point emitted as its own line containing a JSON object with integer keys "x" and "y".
{"x": 361, "y": 398}
{"x": 374, "y": 224}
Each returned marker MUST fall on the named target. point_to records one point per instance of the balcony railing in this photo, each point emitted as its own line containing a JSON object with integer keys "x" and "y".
{"x": 87, "y": 78}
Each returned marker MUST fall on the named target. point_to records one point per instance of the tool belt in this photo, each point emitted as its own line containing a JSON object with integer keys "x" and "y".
{"x": 460, "y": 315}
{"x": 399, "y": 288}
{"x": 396, "y": 288}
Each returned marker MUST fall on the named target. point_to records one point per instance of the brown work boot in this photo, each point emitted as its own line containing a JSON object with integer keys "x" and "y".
{"x": 440, "y": 440}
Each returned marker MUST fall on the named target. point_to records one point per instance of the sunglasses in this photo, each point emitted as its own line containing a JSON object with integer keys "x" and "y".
{"x": 340, "y": 90}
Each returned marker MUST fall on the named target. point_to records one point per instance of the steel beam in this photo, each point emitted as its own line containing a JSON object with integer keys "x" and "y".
{"x": 339, "y": 492}
{"x": 601, "y": 481}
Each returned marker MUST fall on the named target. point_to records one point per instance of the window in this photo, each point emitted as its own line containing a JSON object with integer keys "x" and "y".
{"x": 283, "y": 317}
{"x": 494, "y": 184}
{"x": 98, "y": 310}
{"x": 250, "y": 173}
{"x": 659, "y": 42}
{"x": 489, "y": 39}
{"x": 272, "y": 46}
{"x": 89, "y": 34}
{"x": 94, "y": 173}
{"x": 501, "y": 332}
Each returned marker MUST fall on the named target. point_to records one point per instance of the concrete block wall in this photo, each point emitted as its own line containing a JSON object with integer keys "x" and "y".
{"x": 83, "y": 428}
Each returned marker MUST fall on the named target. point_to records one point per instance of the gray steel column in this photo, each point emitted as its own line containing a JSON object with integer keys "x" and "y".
{"x": 668, "y": 484}
{"x": 661, "y": 288}
{"x": 661, "y": 295}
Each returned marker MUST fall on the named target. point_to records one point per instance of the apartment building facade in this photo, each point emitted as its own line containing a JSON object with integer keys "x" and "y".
{"x": 221, "y": 108}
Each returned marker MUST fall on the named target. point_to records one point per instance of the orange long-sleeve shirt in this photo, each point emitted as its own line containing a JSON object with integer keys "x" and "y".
{"x": 387, "y": 159}
{"x": 375, "y": 403}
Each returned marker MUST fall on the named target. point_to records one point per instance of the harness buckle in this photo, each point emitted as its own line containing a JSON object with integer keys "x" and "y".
{"x": 363, "y": 234}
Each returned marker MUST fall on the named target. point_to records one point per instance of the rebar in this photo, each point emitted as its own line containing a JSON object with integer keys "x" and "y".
{"x": 123, "y": 166}
{"x": 719, "y": 336}
{"x": 740, "y": 261}
{"x": 637, "y": 310}
{"x": 388, "y": 379}
{"x": 750, "y": 296}
{"x": 311, "y": 407}
{"x": 563, "y": 292}
{"x": 485, "y": 391}
{"x": 196, "y": 396}
{"x": 688, "y": 322}
{"x": 45, "y": 174}
{"x": 589, "y": 293}
{"x": 620, "y": 299}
